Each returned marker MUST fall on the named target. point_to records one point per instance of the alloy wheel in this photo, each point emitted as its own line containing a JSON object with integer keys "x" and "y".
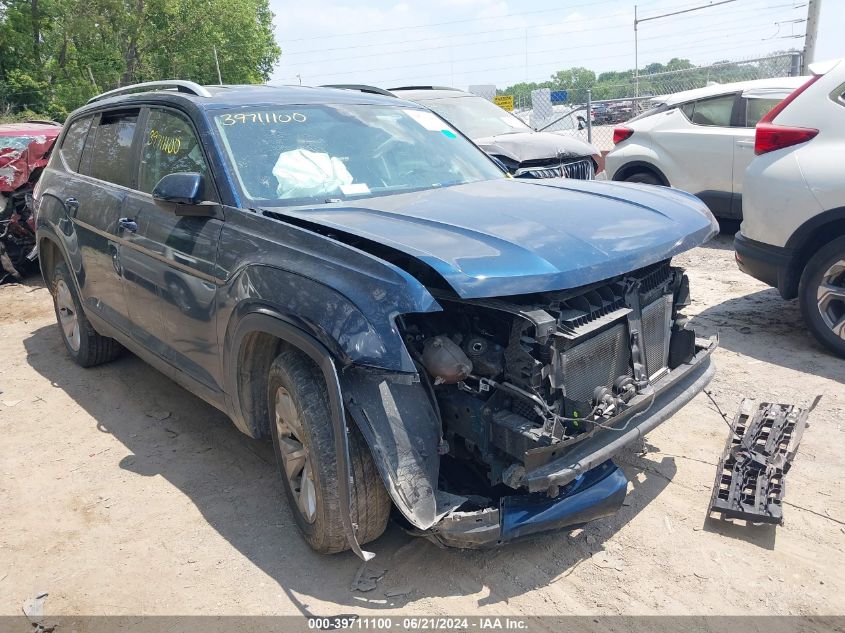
{"x": 295, "y": 458}
{"x": 831, "y": 298}
{"x": 68, "y": 318}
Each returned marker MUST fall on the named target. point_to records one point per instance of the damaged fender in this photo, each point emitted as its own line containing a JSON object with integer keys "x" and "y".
{"x": 349, "y": 310}
{"x": 402, "y": 429}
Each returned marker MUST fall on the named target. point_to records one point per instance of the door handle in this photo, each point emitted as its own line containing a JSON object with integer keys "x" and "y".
{"x": 72, "y": 205}
{"x": 748, "y": 143}
{"x": 127, "y": 224}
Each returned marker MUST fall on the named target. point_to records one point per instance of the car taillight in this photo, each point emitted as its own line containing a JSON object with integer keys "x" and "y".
{"x": 770, "y": 136}
{"x": 621, "y": 133}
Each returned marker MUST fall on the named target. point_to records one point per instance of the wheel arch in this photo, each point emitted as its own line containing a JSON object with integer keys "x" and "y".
{"x": 49, "y": 252}
{"x": 262, "y": 333}
{"x": 392, "y": 409}
{"x": 632, "y": 167}
{"x": 806, "y": 240}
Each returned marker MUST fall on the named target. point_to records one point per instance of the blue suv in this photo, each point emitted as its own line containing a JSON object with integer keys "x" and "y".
{"x": 349, "y": 275}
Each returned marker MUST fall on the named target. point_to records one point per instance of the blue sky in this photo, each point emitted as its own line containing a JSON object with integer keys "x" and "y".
{"x": 463, "y": 42}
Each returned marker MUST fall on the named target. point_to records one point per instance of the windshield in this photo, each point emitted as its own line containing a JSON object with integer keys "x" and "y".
{"x": 8, "y": 143}
{"x": 286, "y": 155}
{"x": 475, "y": 116}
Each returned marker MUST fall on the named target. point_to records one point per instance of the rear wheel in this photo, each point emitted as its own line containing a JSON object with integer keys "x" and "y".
{"x": 84, "y": 345}
{"x": 644, "y": 177}
{"x": 821, "y": 294}
{"x": 303, "y": 439}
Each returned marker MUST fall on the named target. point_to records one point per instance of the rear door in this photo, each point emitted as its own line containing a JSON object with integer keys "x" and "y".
{"x": 96, "y": 204}
{"x": 170, "y": 269}
{"x": 752, "y": 106}
{"x": 704, "y": 142}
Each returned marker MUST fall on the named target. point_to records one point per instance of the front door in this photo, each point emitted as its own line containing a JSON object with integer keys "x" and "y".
{"x": 170, "y": 273}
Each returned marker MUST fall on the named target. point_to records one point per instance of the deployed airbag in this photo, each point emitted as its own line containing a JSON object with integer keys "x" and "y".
{"x": 304, "y": 174}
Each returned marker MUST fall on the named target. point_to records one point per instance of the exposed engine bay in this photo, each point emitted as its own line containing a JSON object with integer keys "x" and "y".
{"x": 519, "y": 380}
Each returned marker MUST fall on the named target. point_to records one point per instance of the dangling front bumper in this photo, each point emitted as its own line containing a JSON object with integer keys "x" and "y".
{"x": 589, "y": 485}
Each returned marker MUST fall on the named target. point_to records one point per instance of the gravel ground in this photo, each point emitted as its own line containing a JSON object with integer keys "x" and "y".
{"x": 123, "y": 494}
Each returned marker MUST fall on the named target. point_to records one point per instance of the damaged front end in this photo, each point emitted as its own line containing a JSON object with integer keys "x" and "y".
{"x": 17, "y": 235}
{"x": 24, "y": 152}
{"x": 532, "y": 397}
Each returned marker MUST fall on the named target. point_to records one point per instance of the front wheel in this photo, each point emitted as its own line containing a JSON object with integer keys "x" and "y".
{"x": 303, "y": 439}
{"x": 821, "y": 294}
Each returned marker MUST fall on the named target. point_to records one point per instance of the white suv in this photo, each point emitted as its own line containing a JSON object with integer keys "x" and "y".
{"x": 700, "y": 140}
{"x": 793, "y": 233}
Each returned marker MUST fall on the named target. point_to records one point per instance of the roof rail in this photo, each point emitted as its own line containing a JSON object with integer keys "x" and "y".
{"x": 179, "y": 85}
{"x": 361, "y": 88}
{"x": 425, "y": 88}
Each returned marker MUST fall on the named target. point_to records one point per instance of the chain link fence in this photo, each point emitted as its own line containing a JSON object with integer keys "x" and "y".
{"x": 614, "y": 101}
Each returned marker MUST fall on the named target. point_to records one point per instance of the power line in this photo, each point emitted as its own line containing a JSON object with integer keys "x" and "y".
{"x": 743, "y": 28}
{"x": 763, "y": 9}
{"x": 462, "y": 21}
{"x": 536, "y": 52}
{"x": 694, "y": 46}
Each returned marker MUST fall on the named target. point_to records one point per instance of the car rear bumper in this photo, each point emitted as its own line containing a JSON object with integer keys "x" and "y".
{"x": 770, "y": 264}
{"x": 589, "y": 485}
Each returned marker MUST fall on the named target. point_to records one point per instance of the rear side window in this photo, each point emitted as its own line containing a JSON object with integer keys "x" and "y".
{"x": 756, "y": 109}
{"x": 169, "y": 146}
{"x": 111, "y": 156}
{"x": 713, "y": 111}
{"x": 74, "y": 141}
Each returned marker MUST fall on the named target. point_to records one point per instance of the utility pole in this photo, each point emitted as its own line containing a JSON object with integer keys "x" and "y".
{"x": 666, "y": 15}
{"x": 217, "y": 64}
{"x": 636, "y": 57}
{"x": 813, "y": 9}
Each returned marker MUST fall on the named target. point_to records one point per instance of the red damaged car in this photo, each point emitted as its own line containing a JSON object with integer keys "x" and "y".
{"x": 24, "y": 151}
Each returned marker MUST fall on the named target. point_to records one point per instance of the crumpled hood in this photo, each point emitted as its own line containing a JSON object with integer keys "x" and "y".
{"x": 523, "y": 146}
{"x": 22, "y": 155}
{"x": 511, "y": 236}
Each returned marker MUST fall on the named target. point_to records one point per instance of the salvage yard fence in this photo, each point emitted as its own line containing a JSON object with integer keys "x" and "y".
{"x": 617, "y": 101}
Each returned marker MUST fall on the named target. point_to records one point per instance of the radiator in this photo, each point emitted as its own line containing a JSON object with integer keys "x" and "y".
{"x": 601, "y": 359}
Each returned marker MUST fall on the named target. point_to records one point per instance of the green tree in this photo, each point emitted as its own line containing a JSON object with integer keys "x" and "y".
{"x": 55, "y": 54}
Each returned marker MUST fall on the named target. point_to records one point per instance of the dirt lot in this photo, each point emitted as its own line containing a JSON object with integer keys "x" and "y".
{"x": 123, "y": 494}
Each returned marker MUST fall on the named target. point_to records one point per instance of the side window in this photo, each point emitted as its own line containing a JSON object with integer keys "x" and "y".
{"x": 688, "y": 109}
{"x": 111, "y": 155}
{"x": 74, "y": 141}
{"x": 169, "y": 146}
{"x": 713, "y": 111}
{"x": 756, "y": 109}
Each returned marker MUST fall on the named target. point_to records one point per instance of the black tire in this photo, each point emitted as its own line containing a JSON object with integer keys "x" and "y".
{"x": 811, "y": 280}
{"x": 87, "y": 348}
{"x": 304, "y": 384}
{"x": 644, "y": 177}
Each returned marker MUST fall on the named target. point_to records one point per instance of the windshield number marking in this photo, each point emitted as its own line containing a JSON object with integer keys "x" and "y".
{"x": 266, "y": 118}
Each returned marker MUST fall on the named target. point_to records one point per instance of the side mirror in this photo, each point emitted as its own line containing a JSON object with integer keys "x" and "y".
{"x": 180, "y": 188}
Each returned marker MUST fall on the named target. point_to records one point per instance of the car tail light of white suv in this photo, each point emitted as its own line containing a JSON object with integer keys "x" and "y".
{"x": 620, "y": 133}
{"x": 770, "y": 136}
